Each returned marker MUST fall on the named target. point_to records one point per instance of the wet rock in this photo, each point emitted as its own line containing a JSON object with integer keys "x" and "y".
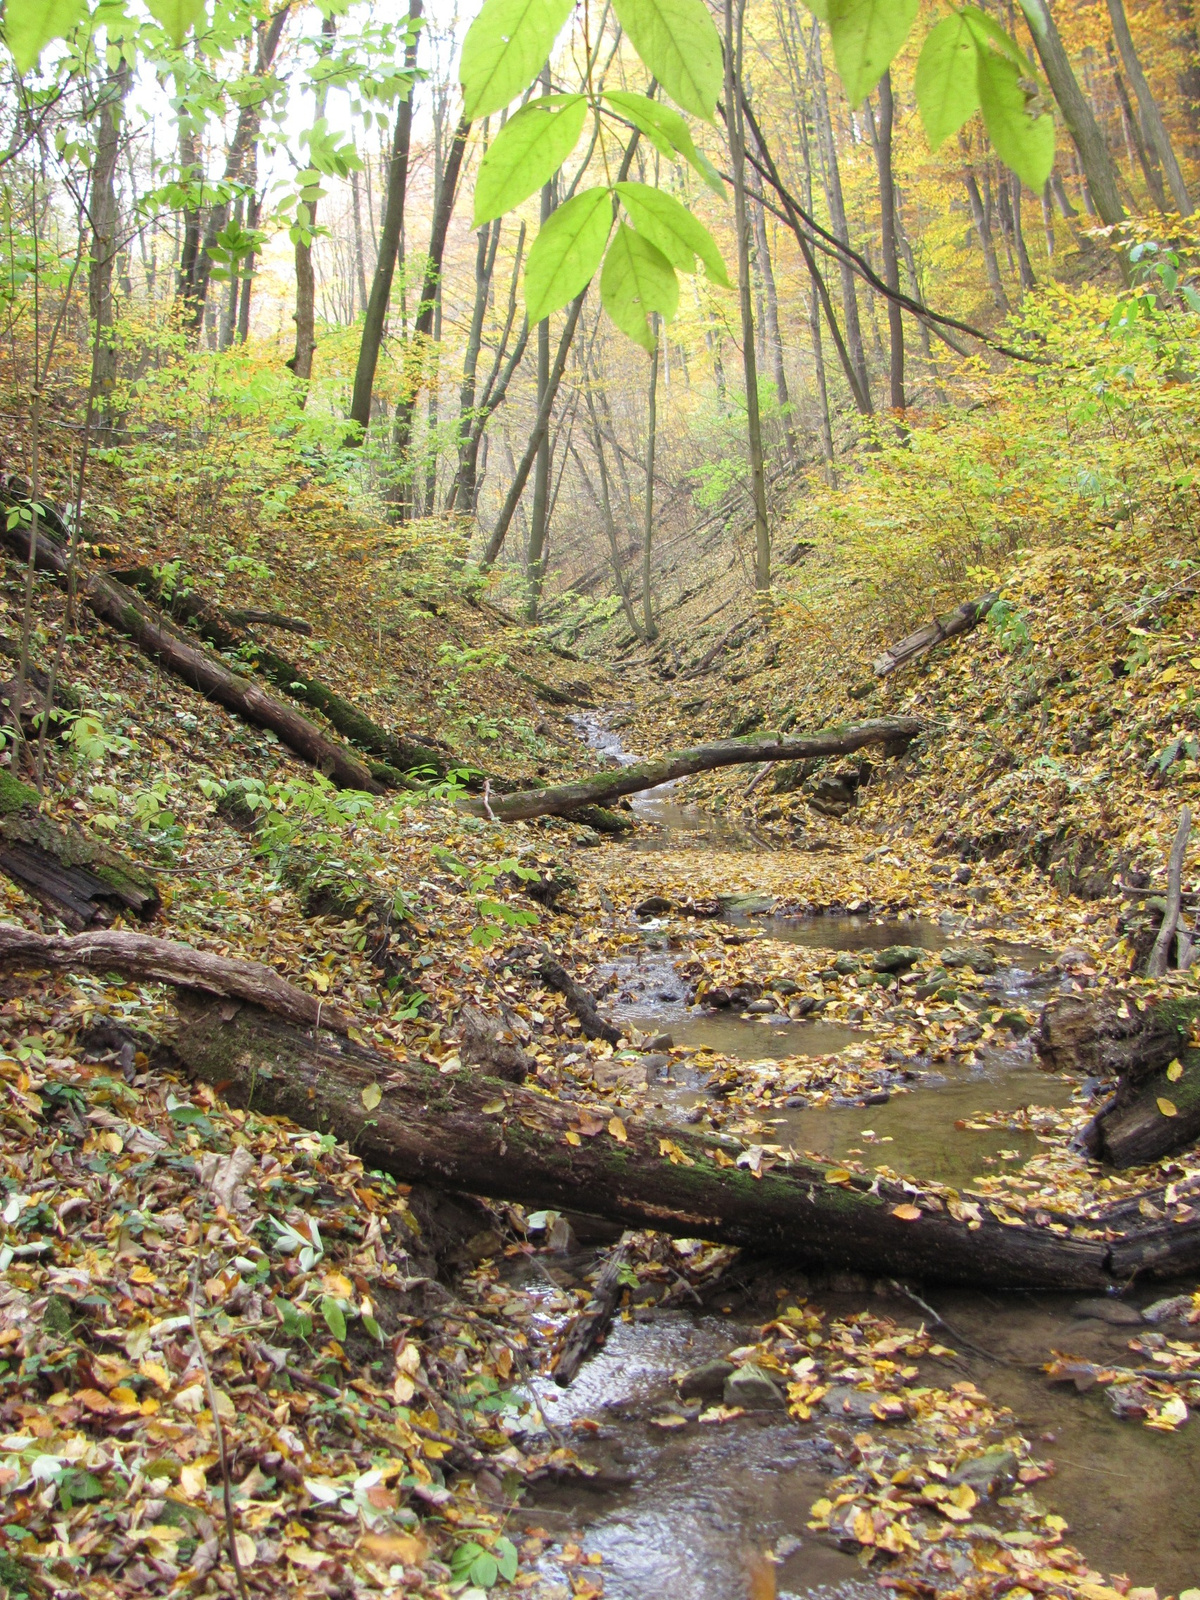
{"x": 961, "y": 874}
{"x": 718, "y": 997}
{"x": 619, "y": 1075}
{"x": 795, "y": 1102}
{"x": 1172, "y": 1309}
{"x": 804, "y": 1007}
{"x": 879, "y": 1098}
{"x": 975, "y": 956}
{"x": 655, "y": 1065}
{"x": 898, "y": 958}
{"x": 706, "y": 1382}
{"x": 760, "y": 1008}
{"x": 653, "y": 906}
{"x": 1014, "y": 1022}
{"x": 746, "y": 905}
{"x": 660, "y": 1041}
{"x": 988, "y": 1474}
{"x": 855, "y": 1404}
{"x": 482, "y": 1245}
{"x": 846, "y": 964}
{"x": 855, "y": 1014}
{"x": 783, "y": 986}
{"x": 1115, "y": 1312}
{"x": 753, "y": 1389}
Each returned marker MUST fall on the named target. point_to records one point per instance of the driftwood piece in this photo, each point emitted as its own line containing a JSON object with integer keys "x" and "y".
{"x": 83, "y": 882}
{"x": 398, "y": 751}
{"x": 138, "y": 955}
{"x": 485, "y": 1042}
{"x": 603, "y": 788}
{"x": 961, "y": 620}
{"x": 593, "y": 1322}
{"x": 581, "y": 1003}
{"x": 270, "y": 619}
{"x": 444, "y": 1128}
{"x": 1160, "y": 955}
{"x": 118, "y": 606}
{"x": 1155, "y": 1108}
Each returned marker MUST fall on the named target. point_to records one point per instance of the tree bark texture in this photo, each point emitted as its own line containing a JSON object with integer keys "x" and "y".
{"x": 118, "y": 606}
{"x": 104, "y": 218}
{"x": 1151, "y": 116}
{"x": 448, "y": 1128}
{"x": 882, "y": 131}
{"x": 78, "y": 879}
{"x": 962, "y": 620}
{"x": 604, "y": 787}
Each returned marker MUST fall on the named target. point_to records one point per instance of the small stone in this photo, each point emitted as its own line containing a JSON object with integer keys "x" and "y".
{"x": 855, "y": 1014}
{"x": 619, "y": 1075}
{"x": 879, "y": 1098}
{"x": 655, "y": 1065}
{"x": 975, "y": 956}
{"x": 1115, "y": 1312}
{"x": 795, "y": 1102}
{"x": 961, "y": 874}
{"x": 1014, "y": 1022}
{"x": 1173, "y": 1309}
{"x": 993, "y": 1470}
{"x": 783, "y": 986}
{"x": 653, "y": 906}
{"x": 846, "y": 964}
{"x": 706, "y": 1382}
{"x": 753, "y": 1389}
{"x": 898, "y": 958}
{"x": 660, "y": 1041}
{"x": 761, "y": 1008}
{"x": 853, "y": 1403}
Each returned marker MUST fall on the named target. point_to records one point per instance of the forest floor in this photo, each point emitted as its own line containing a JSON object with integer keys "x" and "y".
{"x": 196, "y": 1296}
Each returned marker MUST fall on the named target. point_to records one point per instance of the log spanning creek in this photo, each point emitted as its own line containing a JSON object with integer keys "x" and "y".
{"x": 703, "y": 1493}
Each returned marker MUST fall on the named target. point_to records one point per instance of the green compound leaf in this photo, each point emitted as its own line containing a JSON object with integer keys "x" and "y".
{"x": 673, "y": 229}
{"x": 666, "y": 131}
{"x": 947, "y": 84}
{"x": 177, "y": 17}
{"x": 866, "y": 36}
{"x": 567, "y": 252}
{"x": 637, "y": 281}
{"x": 29, "y": 25}
{"x": 677, "y": 41}
{"x": 505, "y": 49}
{"x": 527, "y": 152}
{"x": 1022, "y": 139}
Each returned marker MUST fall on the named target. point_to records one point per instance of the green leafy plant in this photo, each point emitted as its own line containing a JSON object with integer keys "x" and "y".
{"x": 495, "y": 916}
{"x": 471, "y": 1563}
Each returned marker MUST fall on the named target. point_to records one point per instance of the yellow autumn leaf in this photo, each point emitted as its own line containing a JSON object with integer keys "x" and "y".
{"x": 371, "y": 1096}
{"x": 862, "y": 1526}
{"x": 493, "y": 1108}
{"x": 617, "y": 1128}
{"x": 907, "y": 1212}
{"x": 193, "y": 1481}
{"x": 837, "y": 1175}
{"x": 1167, "y": 1107}
{"x": 571, "y": 1137}
{"x": 1175, "y": 1071}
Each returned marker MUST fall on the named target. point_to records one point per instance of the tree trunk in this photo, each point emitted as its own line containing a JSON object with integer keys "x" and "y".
{"x": 774, "y": 336}
{"x": 604, "y": 787}
{"x": 121, "y": 609}
{"x": 649, "y": 627}
{"x": 103, "y": 211}
{"x": 360, "y": 267}
{"x": 306, "y": 283}
{"x": 734, "y": 13}
{"x": 390, "y": 231}
{"x": 987, "y": 244}
{"x": 1077, "y": 113}
{"x": 535, "y": 554}
{"x": 447, "y": 1129}
{"x": 1133, "y": 136}
{"x": 78, "y": 879}
{"x": 465, "y": 493}
{"x": 961, "y": 620}
{"x": 882, "y": 140}
{"x": 419, "y": 344}
{"x": 835, "y": 200}
{"x": 487, "y": 242}
{"x": 190, "y": 171}
{"x": 1024, "y": 265}
{"x": 1151, "y": 116}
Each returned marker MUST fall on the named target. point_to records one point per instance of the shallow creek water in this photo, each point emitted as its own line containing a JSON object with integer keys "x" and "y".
{"x": 687, "y": 1514}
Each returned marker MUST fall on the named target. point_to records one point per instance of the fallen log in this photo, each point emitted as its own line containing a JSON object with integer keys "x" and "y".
{"x": 961, "y": 620}
{"x": 118, "y": 606}
{"x": 446, "y": 1128}
{"x": 82, "y": 881}
{"x": 593, "y": 1321}
{"x": 138, "y": 955}
{"x": 602, "y": 788}
{"x": 1155, "y": 1108}
{"x": 581, "y": 1004}
{"x": 400, "y": 752}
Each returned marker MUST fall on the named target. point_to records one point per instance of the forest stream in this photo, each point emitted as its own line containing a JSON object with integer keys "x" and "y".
{"x": 698, "y": 1512}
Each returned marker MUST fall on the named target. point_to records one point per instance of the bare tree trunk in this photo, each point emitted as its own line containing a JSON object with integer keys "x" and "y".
{"x": 1151, "y": 116}
{"x": 1024, "y": 265}
{"x": 536, "y": 550}
{"x": 1077, "y": 113}
{"x": 247, "y": 267}
{"x": 606, "y": 511}
{"x": 834, "y": 198}
{"x": 1133, "y": 138}
{"x": 881, "y": 138}
{"x": 103, "y": 245}
{"x": 774, "y": 338}
{"x": 360, "y": 267}
{"x": 390, "y": 231}
{"x": 464, "y": 492}
{"x": 737, "y": 159}
{"x": 987, "y": 244}
{"x": 189, "y": 251}
{"x": 486, "y": 242}
{"x": 649, "y": 627}
{"x": 229, "y": 302}
{"x": 306, "y": 284}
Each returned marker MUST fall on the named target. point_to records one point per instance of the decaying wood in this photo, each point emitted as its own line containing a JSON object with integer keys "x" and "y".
{"x": 399, "y": 752}
{"x": 581, "y": 1003}
{"x": 150, "y": 960}
{"x": 1155, "y": 1107}
{"x": 593, "y": 1321}
{"x": 604, "y": 787}
{"x": 445, "y": 1128}
{"x": 485, "y": 1042}
{"x": 961, "y": 620}
{"x": 1160, "y": 955}
{"x": 82, "y": 881}
{"x": 118, "y": 606}
{"x": 270, "y": 619}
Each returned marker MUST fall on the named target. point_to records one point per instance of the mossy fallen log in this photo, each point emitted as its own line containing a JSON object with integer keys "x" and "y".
{"x": 602, "y": 788}
{"x": 82, "y": 881}
{"x": 961, "y": 620}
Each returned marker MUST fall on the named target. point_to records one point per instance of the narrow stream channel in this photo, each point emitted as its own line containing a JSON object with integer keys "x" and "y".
{"x": 687, "y": 1514}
